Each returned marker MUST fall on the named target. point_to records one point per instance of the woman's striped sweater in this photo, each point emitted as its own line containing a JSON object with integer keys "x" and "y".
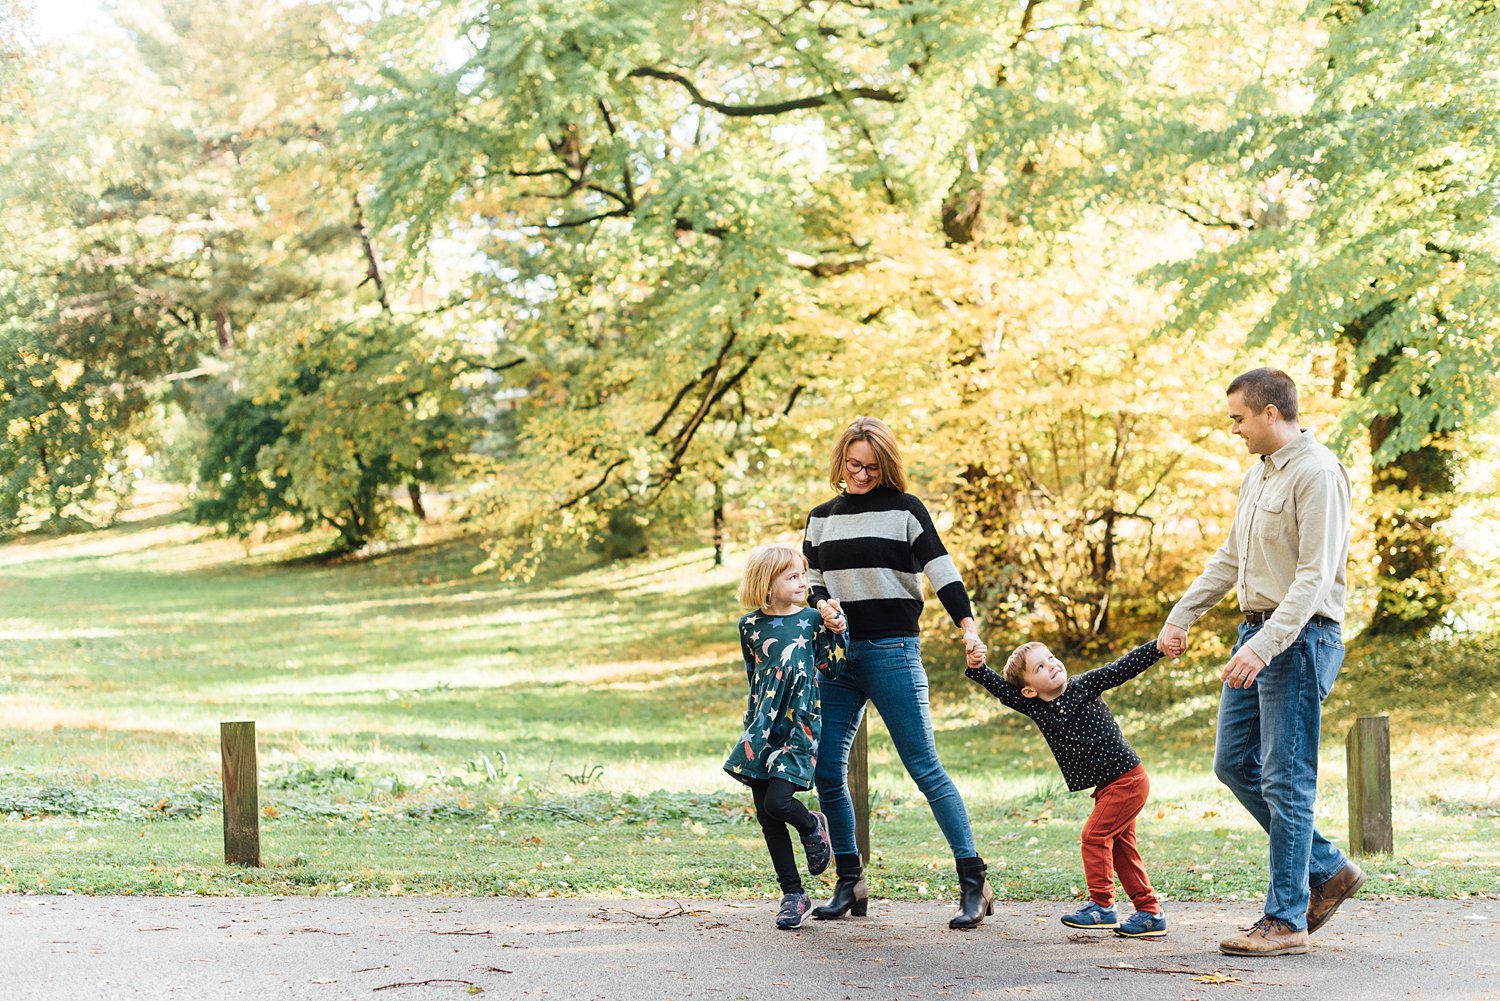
{"x": 869, "y": 551}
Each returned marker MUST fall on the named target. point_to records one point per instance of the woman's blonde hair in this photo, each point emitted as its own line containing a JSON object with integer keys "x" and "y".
{"x": 766, "y": 563}
{"x": 877, "y": 434}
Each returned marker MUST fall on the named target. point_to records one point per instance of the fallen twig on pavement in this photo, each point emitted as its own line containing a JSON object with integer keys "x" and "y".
{"x": 1212, "y": 977}
{"x": 676, "y": 912}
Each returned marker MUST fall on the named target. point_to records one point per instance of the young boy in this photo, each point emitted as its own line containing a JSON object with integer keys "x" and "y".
{"x": 1091, "y": 751}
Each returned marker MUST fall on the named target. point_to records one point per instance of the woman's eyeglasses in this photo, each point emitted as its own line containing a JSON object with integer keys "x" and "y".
{"x": 855, "y": 468}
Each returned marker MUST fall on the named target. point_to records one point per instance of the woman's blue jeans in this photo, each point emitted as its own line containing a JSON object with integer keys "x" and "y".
{"x": 1267, "y": 754}
{"x": 889, "y": 673}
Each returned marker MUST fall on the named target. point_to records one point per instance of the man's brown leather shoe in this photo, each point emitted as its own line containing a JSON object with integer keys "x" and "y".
{"x": 1325, "y": 899}
{"x": 1267, "y": 937}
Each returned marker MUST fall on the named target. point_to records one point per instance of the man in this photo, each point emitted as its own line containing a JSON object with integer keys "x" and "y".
{"x": 1284, "y": 558}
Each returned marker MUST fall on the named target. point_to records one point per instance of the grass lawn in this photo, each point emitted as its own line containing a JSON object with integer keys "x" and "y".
{"x": 423, "y": 730}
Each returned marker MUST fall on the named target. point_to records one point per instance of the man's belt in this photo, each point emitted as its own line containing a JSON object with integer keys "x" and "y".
{"x": 1259, "y": 619}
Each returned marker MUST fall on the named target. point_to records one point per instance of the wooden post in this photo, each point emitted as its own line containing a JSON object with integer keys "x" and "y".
{"x": 241, "y": 794}
{"x": 1369, "y": 753}
{"x": 859, "y": 786}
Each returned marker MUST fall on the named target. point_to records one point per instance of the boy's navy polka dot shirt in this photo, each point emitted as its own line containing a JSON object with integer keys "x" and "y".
{"x": 1080, "y": 729}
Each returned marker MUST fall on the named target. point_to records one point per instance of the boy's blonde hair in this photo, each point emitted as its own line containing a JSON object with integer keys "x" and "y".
{"x": 766, "y": 563}
{"x": 878, "y": 435}
{"x": 1016, "y": 663}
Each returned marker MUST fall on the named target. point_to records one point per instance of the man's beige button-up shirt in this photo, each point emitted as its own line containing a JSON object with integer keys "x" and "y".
{"x": 1287, "y": 546}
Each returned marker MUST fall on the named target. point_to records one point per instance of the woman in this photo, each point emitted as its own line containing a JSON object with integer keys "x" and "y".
{"x": 866, "y": 550}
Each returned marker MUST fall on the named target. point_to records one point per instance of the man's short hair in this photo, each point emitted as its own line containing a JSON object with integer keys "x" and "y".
{"x": 1263, "y": 386}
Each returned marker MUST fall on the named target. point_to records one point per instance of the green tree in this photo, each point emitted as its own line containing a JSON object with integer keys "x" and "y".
{"x": 1376, "y": 233}
{"x": 703, "y": 221}
{"x": 201, "y": 217}
{"x": 340, "y": 417}
{"x": 1087, "y": 473}
{"x": 651, "y": 258}
{"x": 124, "y": 215}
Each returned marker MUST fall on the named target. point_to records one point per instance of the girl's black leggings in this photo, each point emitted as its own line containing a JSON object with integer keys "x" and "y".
{"x": 775, "y": 808}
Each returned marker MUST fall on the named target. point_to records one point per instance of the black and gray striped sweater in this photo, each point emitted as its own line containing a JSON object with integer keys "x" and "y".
{"x": 869, "y": 551}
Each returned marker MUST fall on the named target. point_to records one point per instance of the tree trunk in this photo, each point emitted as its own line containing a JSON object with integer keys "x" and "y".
{"x": 1104, "y": 575}
{"x": 963, "y": 208}
{"x": 414, "y": 491}
{"x": 223, "y": 331}
{"x": 1413, "y": 495}
{"x": 718, "y": 524}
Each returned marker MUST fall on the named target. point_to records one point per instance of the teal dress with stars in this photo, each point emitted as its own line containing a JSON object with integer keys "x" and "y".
{"x": 784, "y": 655}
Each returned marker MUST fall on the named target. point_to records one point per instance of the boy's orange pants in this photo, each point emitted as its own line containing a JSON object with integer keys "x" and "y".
{"x": 1109, "y": 843}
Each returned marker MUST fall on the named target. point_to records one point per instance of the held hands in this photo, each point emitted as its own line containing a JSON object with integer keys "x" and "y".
{"x": 833, "y": 615}
{"x": 1240, "y": 672}
{"x": 977, "y": 652}
{"x": 1242, "y": 668}
{"x": 1172, "y": 641}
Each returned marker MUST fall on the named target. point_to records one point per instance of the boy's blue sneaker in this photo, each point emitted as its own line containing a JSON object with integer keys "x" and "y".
{"x": 1091, "y": 915}
{"x": 1143, "y": 924}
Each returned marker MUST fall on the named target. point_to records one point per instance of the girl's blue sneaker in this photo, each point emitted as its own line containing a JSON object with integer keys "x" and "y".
{"x": 793, "y": 911}
{"x": 1091, "y": 915}
{"x": 1143, "y": 924}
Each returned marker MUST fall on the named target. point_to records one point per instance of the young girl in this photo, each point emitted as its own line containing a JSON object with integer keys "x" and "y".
{"x": 785, "y": 645}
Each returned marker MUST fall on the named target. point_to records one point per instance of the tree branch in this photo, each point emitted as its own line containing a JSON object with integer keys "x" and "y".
{"x": 711, "y": 371}
{"x": 684, "y": 436}
{"x": 684, "y": 225}
{"x": 773, "y": 107}
{"x": 825, "y": 269}
{"x": 1026, "y": 18}
{"x": 575, "y": 223}
{"x": 625, "y": 201}
{"x": 372, "y": 264}
{"x": 595, "y": 488}
{"x": 629, "y": 185}
{"x": 1211, "y": 221}
{"x": 469, "y": 363}
{"x": 1453, "y": 255}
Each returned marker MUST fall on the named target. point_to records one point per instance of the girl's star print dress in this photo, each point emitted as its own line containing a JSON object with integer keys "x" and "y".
{"x": 783, "y": 657}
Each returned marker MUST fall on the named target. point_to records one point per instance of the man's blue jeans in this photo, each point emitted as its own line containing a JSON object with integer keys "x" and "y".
{"x": 889, "y": 673}
{"x": 1267, "y": 754}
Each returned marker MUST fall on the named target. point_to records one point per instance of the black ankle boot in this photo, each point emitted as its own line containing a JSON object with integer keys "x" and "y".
{"x": 850, "y": 895}
{"x": 975, "y": 899}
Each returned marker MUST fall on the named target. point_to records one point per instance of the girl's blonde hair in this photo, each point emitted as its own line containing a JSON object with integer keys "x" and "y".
{"x": 766, "y": 563}
{"x": 878, "y": 435}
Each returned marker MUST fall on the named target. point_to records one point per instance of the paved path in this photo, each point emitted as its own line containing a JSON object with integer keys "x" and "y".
{"x": 79, "y": 948}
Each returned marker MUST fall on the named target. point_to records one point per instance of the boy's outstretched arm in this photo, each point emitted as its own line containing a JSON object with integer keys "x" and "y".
{"x": 1101, "y": 679}
{"x": 997, "y": 686}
